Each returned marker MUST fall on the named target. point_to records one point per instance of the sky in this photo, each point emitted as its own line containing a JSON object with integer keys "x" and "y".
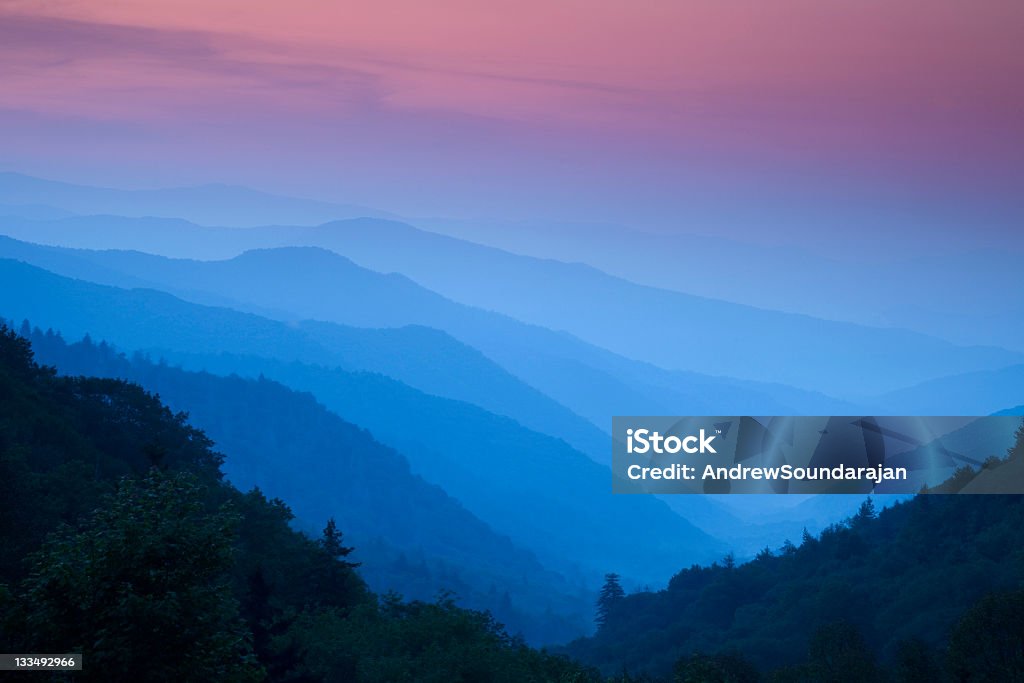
{"x": 738, "y": 116}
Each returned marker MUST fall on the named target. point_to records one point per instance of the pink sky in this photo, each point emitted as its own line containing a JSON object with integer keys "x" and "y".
{"x": 464, "y": 107}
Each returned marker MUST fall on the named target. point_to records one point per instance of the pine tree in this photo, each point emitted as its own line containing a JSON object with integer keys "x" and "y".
{"x": 866, "y": 511}
{"x": 611, "y": 594}
{"x": 1017, "y": 450}
{"x": 333, "y": 546}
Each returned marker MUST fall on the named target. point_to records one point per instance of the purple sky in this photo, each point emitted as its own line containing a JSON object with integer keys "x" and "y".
{"x": 742, "y": 117}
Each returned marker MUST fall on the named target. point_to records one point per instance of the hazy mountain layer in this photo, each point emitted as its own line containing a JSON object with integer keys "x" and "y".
{"x": 532, "y": 487}
{"x": 410, "y": 536}
{"x": 667, "y": 328}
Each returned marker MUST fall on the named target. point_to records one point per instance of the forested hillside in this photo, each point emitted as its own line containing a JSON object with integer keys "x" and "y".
{"x": 904, "y": 593}
{"x": 120, "y": 539}
{"x": 411, "y": 536}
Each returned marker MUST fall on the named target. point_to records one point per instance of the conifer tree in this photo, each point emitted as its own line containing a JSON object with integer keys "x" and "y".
{"x": 333, "y": 546}
{"x": 611, "y": 594}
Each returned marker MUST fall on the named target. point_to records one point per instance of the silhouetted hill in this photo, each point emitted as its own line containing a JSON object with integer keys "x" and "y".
{"x": 904, "y": 577}
{"x": 120, "y": 542}
{"x": 411, "y": 537}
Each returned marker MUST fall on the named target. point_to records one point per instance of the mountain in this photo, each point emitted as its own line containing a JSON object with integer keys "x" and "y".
{"x": 168, "y": 236}
{"x": 123, "y": 544}
{"x": 421, "y": 357}
{"x": 410, "y": 536}
{"x": 963, "y": 293}
{"x": 947, "y": 291}
{"x": 976, "y": 393}
{"x": 535, "y": 489}
{"x": 592, "y": 382}
{"x": 665, "y": 328}
{"x": 585, "y": 378}
{"x": 215, "y": 204}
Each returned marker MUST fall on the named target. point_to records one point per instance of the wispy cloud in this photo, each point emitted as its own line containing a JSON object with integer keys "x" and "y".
{"x": 55, "y": 64}
{"x": 895, "y": 93}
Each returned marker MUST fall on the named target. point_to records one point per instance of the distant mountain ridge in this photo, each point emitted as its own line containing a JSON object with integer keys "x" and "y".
{"x": 297, "y": 283}
{"x": 666, "y": 328}
{"x": 513, "y": 478}
{"x": 980, "y": 392}
{"x": 215, "y": 203}
{"x": 407, "y": 353}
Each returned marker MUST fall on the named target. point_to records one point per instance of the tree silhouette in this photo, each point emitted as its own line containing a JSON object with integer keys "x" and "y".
{"x": 332, "y": 544}
{"x": 988, "y": 642}
{"x": 720, "y": 668}
{"x": 611, "y": 594}
{"x": 865, "y": 512}
{"x": 839, "y": 654}
{"x": 143, "y": 588}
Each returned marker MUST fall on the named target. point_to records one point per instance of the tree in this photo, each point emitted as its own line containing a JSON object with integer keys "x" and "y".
{"x": 16, "y": 355}
{"x": 865, "y": 512}
{"x": 988, "y": 642}
{"x": 720, "y": 668}
{"x": 332, "y": 544}
{"x": 611, "y": 594}
{"x": 839, "y": 654}
{"x": 1016, "y": 452}
{"x": 142, "y": 589}
{"x": 915, "y": 662}
{"x": 333, "y": 578}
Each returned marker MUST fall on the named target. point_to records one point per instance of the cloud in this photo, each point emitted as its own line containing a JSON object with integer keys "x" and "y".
{"x": 630, "y": 93}
{"x": 55, "y": 65}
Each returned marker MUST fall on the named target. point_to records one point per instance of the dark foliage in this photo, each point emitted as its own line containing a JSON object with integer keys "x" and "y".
{"x": 881, "y": 595}
{"x": 412, "y": 537}
{"x": 120, "y": 539}
{"x": 610, "y": 596}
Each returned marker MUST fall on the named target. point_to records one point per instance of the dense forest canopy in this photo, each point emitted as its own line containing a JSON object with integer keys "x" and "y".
{"x": 879, "y": 586}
